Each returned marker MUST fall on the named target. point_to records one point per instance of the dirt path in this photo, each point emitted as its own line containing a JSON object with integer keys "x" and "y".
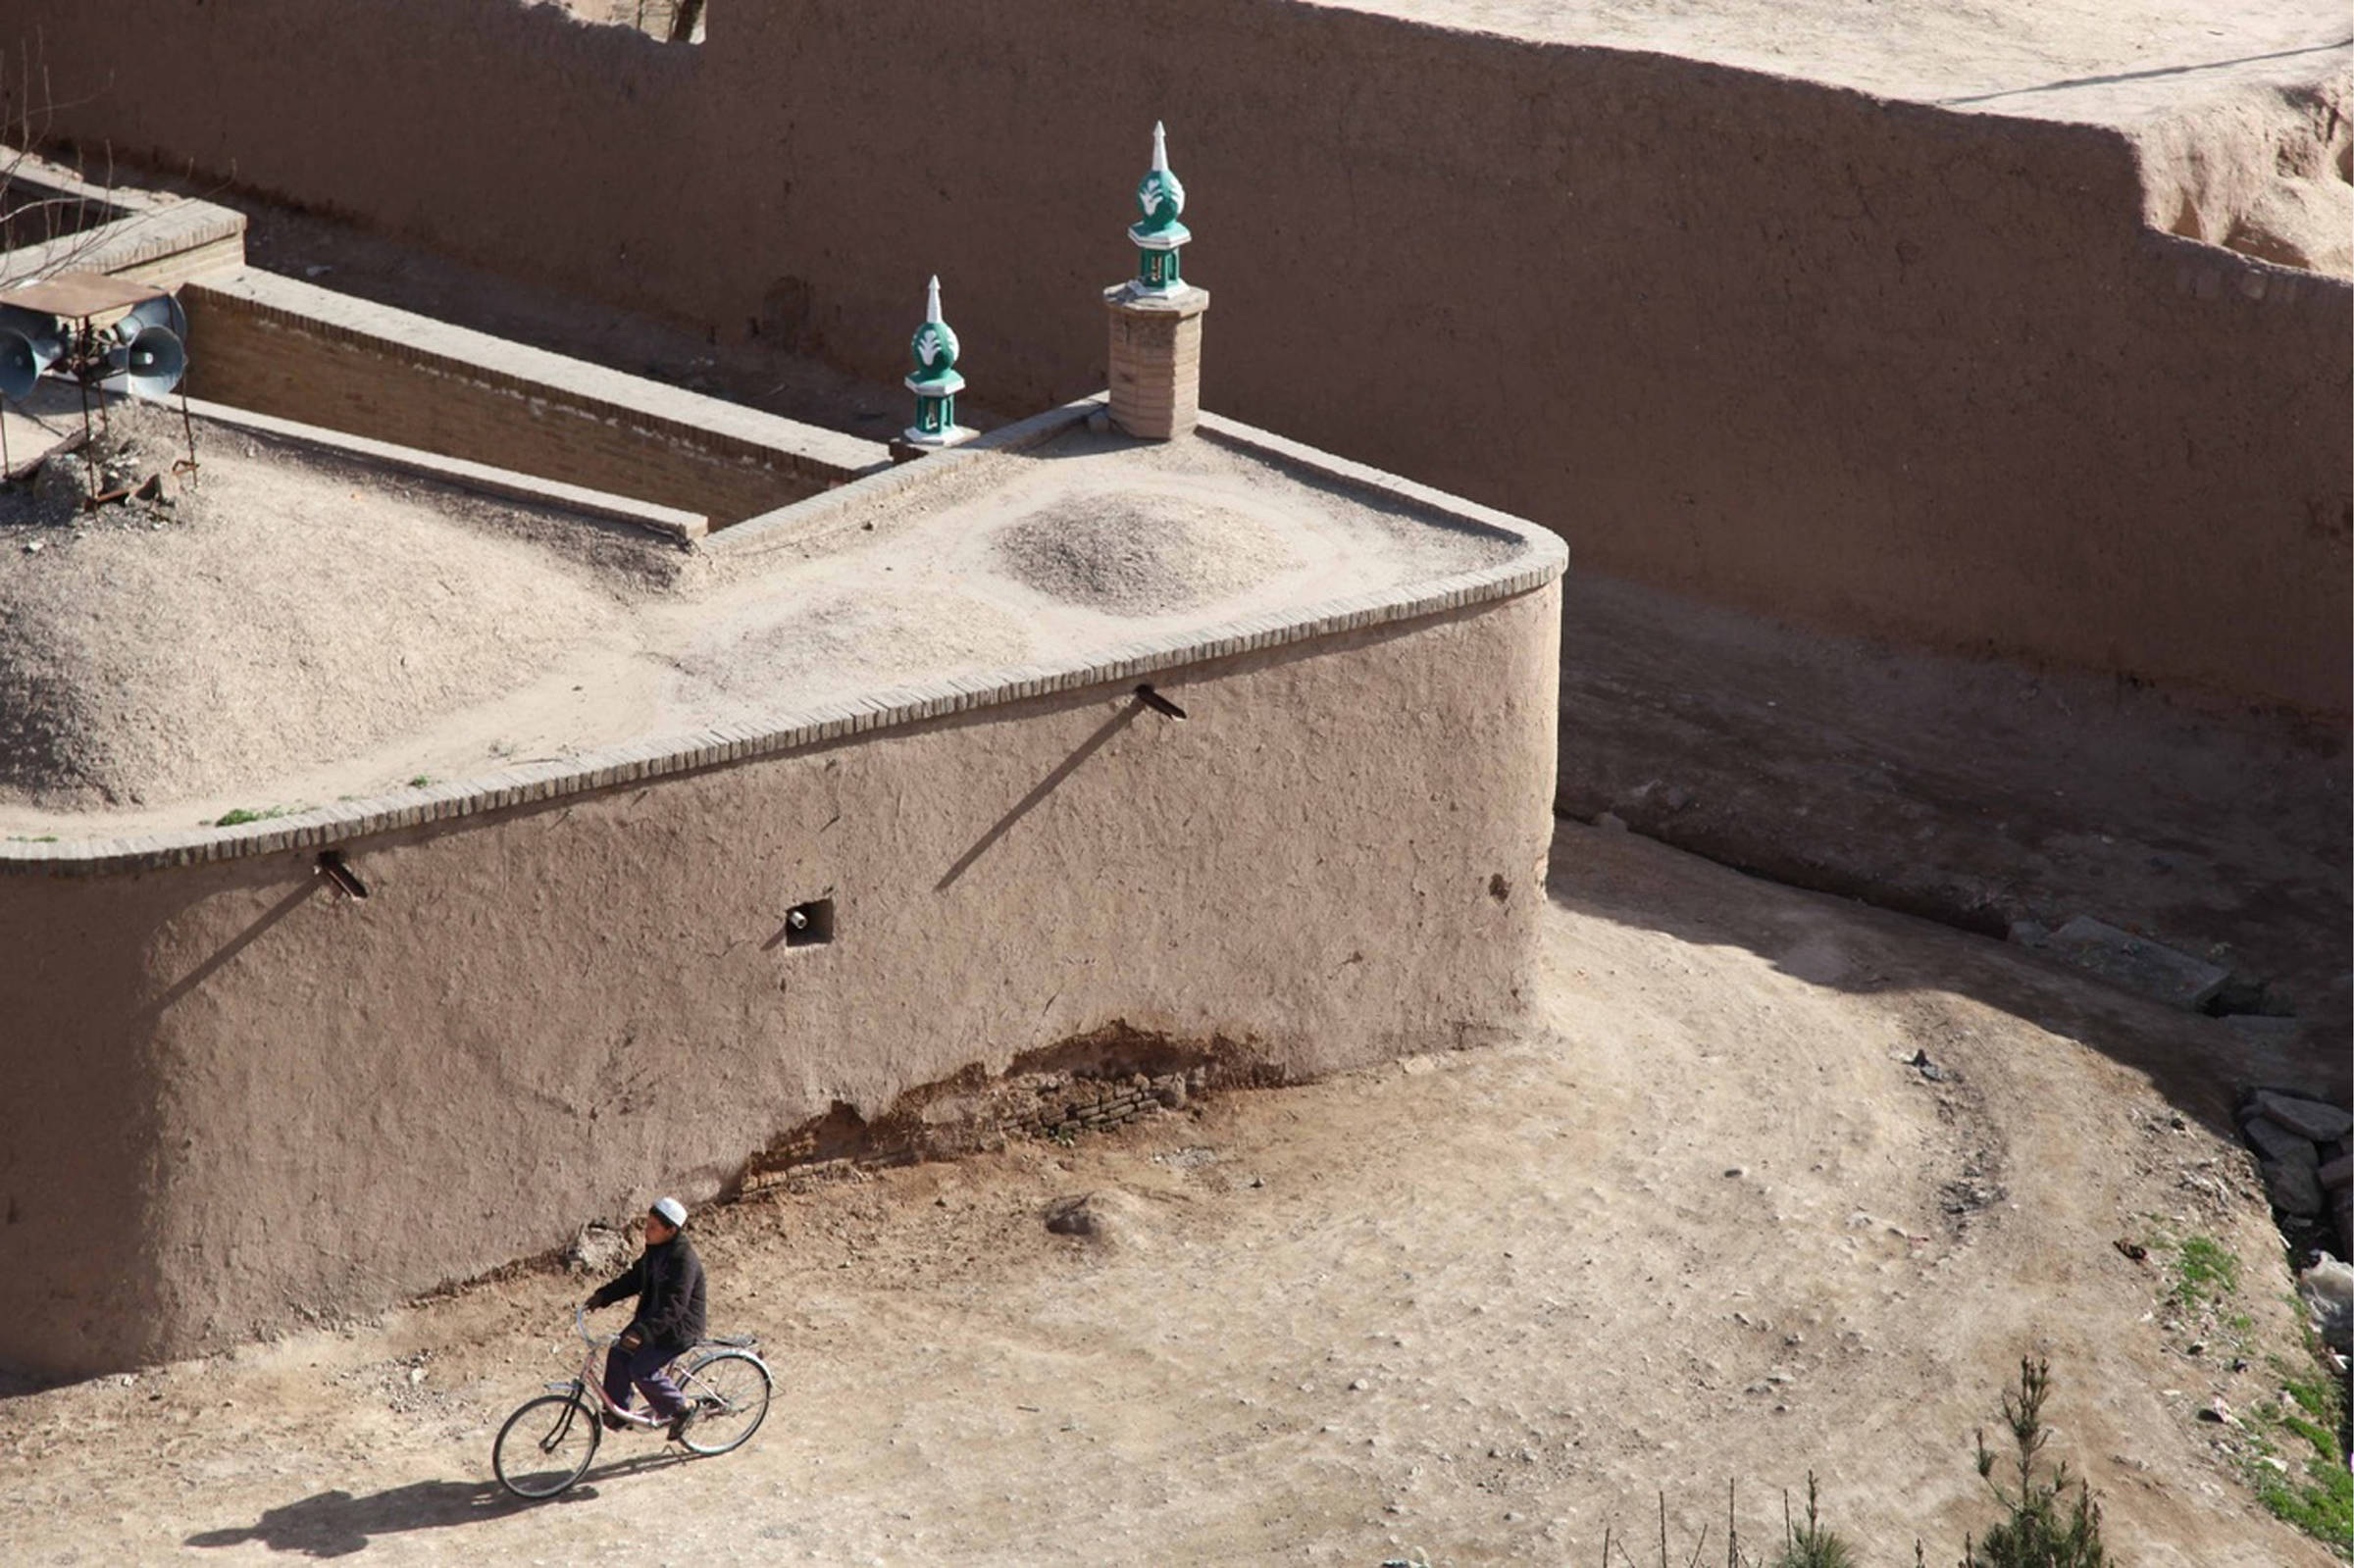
{"x": 1705, "y": 1223}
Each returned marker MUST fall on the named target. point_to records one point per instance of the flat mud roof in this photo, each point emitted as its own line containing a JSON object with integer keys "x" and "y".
{"x": 416, "y": 655}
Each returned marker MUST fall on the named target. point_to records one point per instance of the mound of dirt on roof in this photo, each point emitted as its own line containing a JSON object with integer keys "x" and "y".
{"x": 844, "y": 644}
{"x": 279, "y": 613}
{"x": 1139, "y": 553}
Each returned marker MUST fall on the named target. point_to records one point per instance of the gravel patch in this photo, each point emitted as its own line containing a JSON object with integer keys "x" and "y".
{"x": 1135, "y": 553}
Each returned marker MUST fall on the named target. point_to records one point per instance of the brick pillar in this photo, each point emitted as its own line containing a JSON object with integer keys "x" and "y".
{"x": 1156, "y": 359}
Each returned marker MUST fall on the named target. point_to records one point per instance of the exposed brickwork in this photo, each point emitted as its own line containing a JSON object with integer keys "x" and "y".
{"x": 1157, "y": 361}
{"x": 305, "y": 354}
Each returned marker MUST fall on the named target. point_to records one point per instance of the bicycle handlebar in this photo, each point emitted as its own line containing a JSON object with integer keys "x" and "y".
{"x": 579, "y": 1326}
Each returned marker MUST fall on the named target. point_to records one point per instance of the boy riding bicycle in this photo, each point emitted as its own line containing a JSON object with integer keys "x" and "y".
{"x": 668, "y": 1278}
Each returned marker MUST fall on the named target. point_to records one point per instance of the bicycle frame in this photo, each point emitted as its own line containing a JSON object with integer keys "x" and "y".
{"x": 590, "y": 1382}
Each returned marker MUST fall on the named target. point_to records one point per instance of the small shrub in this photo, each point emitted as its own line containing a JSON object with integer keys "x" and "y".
{"x": 1812, "y": 1545}
{"x": 2045, "y": 1529}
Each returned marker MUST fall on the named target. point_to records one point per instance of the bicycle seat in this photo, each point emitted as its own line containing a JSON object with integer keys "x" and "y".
{"x": 733, "y": 1341}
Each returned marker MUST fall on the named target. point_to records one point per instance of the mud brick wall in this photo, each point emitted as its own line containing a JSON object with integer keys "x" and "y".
{"x": 1884, "y": 369}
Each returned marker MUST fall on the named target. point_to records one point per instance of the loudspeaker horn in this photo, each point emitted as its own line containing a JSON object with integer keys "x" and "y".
{"x": 162, "y": 311}
{"x": 20, "y": 365}
{"x": 150, "y": 366}
{"x": 30, "y": 343}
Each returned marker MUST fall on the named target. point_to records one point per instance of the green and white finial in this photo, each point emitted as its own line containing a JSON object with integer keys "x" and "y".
{"x": 1158, "y": 235}
{"x": 935, "y": 382}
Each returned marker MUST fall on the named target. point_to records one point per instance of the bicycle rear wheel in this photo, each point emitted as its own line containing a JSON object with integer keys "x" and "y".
{"x": 730, "y": 1393}
{"x": 545, "y": 1445}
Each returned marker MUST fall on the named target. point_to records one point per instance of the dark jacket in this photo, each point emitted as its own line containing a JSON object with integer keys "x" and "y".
{"x": 669, "y": 1281}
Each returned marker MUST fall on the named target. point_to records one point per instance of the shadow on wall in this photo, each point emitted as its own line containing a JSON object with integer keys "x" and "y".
{"x": 2193, "y": 1061}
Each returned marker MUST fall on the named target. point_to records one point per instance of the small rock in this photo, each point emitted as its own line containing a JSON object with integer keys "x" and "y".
{"x": 1098, "y": 422}
{"x": 33, "y": 548}
{"x": 1736, "y": 1170}
{"x": 2308, "y": 1118}
{"x": 1072, "y": 1216}
{"x": 2217, "y": 1411}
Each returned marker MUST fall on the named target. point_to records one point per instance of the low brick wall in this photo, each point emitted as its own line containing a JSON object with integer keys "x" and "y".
{"x": 147, "y": 236}
{"x": 289, "y": 349}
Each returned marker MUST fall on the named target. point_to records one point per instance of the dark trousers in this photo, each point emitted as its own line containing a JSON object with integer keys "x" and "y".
{"x": 643, "y": 1367}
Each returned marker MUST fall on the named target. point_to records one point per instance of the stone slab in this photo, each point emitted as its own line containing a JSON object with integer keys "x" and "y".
{"x": 2276, "y": 1142}
{"x": 2136, "y": 963}
{"x": 2311, "y": 1119}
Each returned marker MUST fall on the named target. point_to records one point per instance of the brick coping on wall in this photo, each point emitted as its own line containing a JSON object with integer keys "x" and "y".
{"x": 1542, "y": 559}
{"x": 149, "y": 237}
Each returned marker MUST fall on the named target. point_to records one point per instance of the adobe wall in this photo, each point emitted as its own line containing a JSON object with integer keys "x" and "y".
{"x": 1887, "y": 369}
{"x": 257, "y": 1097}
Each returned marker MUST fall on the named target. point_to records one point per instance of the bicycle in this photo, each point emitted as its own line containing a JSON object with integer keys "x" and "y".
{"x": 549, "y": 1443}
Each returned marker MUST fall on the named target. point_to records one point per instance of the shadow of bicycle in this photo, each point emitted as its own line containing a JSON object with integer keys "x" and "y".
{"x": 336, "y": 1524}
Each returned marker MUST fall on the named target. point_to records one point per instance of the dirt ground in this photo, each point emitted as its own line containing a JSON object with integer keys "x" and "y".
{"x": 1705, "y": 1221}
{"x": 1980, "y": 793}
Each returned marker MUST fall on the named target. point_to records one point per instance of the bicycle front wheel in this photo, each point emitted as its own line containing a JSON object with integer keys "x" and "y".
{"x": 546, "y": 1445}
{"x": 729, "y": 1390}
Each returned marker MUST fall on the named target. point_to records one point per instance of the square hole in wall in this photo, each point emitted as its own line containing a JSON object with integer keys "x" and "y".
{"x": 809, "y": 925}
